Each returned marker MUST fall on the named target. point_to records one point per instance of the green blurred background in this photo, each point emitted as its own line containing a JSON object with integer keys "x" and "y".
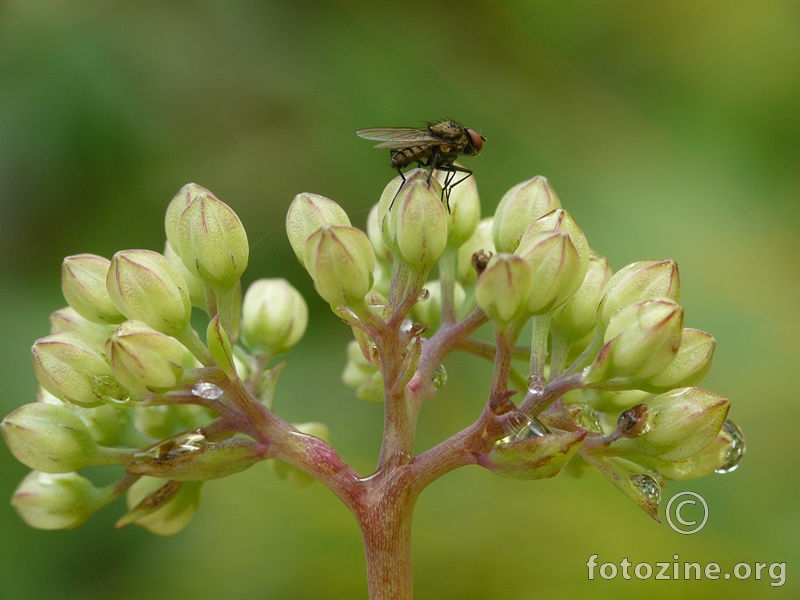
{"x": 668, "y": 130}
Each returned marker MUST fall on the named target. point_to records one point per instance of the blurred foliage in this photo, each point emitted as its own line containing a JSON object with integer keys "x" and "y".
{"x": 668, "y": 130}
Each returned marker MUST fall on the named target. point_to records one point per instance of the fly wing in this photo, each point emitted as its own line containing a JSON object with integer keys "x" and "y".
{"x": 394, "y": 138}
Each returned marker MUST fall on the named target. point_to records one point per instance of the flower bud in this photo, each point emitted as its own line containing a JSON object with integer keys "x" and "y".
{"x": 190, "y": 456}
{"x": 465, "y": 210}
{"x": 690, "y": 364}
{"x": 503, "y": 289}
{"x": 83, "y": 283}
{"x": 144, "y": 286}
{"x": 162, "y": 507}
{"x": 535, "y": 456}
{"x": 197, "y": 292}
{"x": 382, "y": 252}
{"x": 520, "y": 206}
{"x": 55, "y": 501}
{"x": 481, "y": 239}
{"x": 640, "y": 341}
{"x": 634, "y": 480}
{"x": 274, "y": 316}
{"x": 340, "y": 261}
{"x": 641, "y": 280}
{"x": 417, "y": 225}
{"x": 556, "y": 271}
{"x": 144, "y": 359}
{"x": 208, "y": 236}
{"x": 577, "y": 317}
{"x": 429, "y": 311}
{"x": 683, "y": 422}
{"x": 307, "y": 213}
{"x": 71, "y": 370}
{"x": 362, "y": 376}
{"x": 67, "y": 320}
{"x": 51, "y": 438}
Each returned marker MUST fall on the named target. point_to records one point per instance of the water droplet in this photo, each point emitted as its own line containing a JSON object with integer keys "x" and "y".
{"x": 735, "y": 451}
{"x": 522, "y": 428}
{"x": 585, "y": 416}
{"x": 170, "y": 448}
{"x": 536, "y": 385}
{"x": 439, "y": 378}
{"x": 647, "y": 486}
{"x": 206, "y": 390}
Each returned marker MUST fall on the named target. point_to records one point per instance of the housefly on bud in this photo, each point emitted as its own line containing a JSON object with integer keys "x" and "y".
{"x": 436, "y": 147}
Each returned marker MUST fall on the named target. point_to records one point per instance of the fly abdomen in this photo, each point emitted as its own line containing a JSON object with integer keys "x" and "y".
{"x": 402, "y": 157}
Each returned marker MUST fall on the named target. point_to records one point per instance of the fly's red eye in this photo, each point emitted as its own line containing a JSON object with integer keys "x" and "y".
{"x": 476, "y": 138}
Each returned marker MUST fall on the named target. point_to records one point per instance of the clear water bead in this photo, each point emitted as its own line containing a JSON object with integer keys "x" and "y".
{"x": 736, "y": 450}
{"x": 647, "y": 486}
{"x": 206, "y": 390}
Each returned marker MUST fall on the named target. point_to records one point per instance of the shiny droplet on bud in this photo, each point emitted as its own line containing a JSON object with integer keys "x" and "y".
{"x": 208, "y": 391}
{"x": 536, "y": 385}
{"x": 522, "y": 428}
{"x": 736, "y": 450}
{"x": 648, "y": 487}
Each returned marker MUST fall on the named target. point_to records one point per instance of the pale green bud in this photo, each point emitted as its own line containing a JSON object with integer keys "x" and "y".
{"x": 560, "y": 220}
{"x": 576, "y": 318}
{"x": 556, "y": 269}
{"x": 340, "y": 260}
{"x": 144, "y": 359}
{"x": 74, "y": 372}
{"x": 520, "y": 206}
{"x": 67, "y": 320}
{"x": 307, "y": 213}
{"x": 55, "y": 501}
{"x": 83, "y": 283}
{"x": 145, "y": 287}
{"x": 197, "y": 292}
{"x": 382, "y": 252}
{"x": 640, "y": 340}
{"x": 417, "y": 225}
{"x": 682, "y": 423}
{"x": 465, "y": 210}
{"x": 503, "y": 289}
{"x": 481, "y": 240}
{"x": 535, "y": 456}
{"x": 429, "y": 311}
{"x": 641, "y": 280}
{"x": 190, "y": 456}
{"x": 690, "y": 364}
{"x": 162, "y": 507}
{"x": 274, "y": 316}
{"x": 53, "y": 439}
{"x": 219, "y": 345}
{"x": 289, "y": 473}
{"x": 209, "y": 238}
{"x": 362, "y": 375}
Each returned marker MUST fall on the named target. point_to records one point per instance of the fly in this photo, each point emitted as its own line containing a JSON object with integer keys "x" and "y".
{"x": 435, "y": 147}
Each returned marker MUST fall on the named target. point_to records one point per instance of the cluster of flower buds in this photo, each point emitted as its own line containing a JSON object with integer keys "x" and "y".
{"x": 609, "y": 378}
{"x": 125, "y": 379}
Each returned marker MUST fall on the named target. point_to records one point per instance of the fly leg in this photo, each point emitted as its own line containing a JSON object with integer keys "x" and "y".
{"x": 449, "y": 184}
{"x": 400, "y": 187}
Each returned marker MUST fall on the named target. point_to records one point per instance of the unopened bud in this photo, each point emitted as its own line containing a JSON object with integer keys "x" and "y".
{"x": 503, "y": 289}
{"x": 535, "y": 456}
{"x": 690, "y": 364}
{"x": 340, "y": 260}
{"x": 480, "y": 241}
{"x": 146, "y": 287}
{"x": 465, "y": 209}
{"x": 53, "y": 439}
{"x": 576, "y": 318}
{"x": 144, "y": 359}
{"x": 307, "y": 213}
{"x": 75, "y": 372}
{"x": 638, "y": 281}
{"x": 274, "y": 316}
{"x": 641, "y": 340}
{"x": 83, "y": 283}
{"x": 519, "y": 207}
{"x": 555, "y": 268}
{"x": 161, "y": 506}
{"x": 55, "y": 501}
{"x": 208, "y": 236}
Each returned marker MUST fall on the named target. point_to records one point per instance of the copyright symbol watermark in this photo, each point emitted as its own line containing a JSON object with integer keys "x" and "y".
{"x": 684, "y": 519}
